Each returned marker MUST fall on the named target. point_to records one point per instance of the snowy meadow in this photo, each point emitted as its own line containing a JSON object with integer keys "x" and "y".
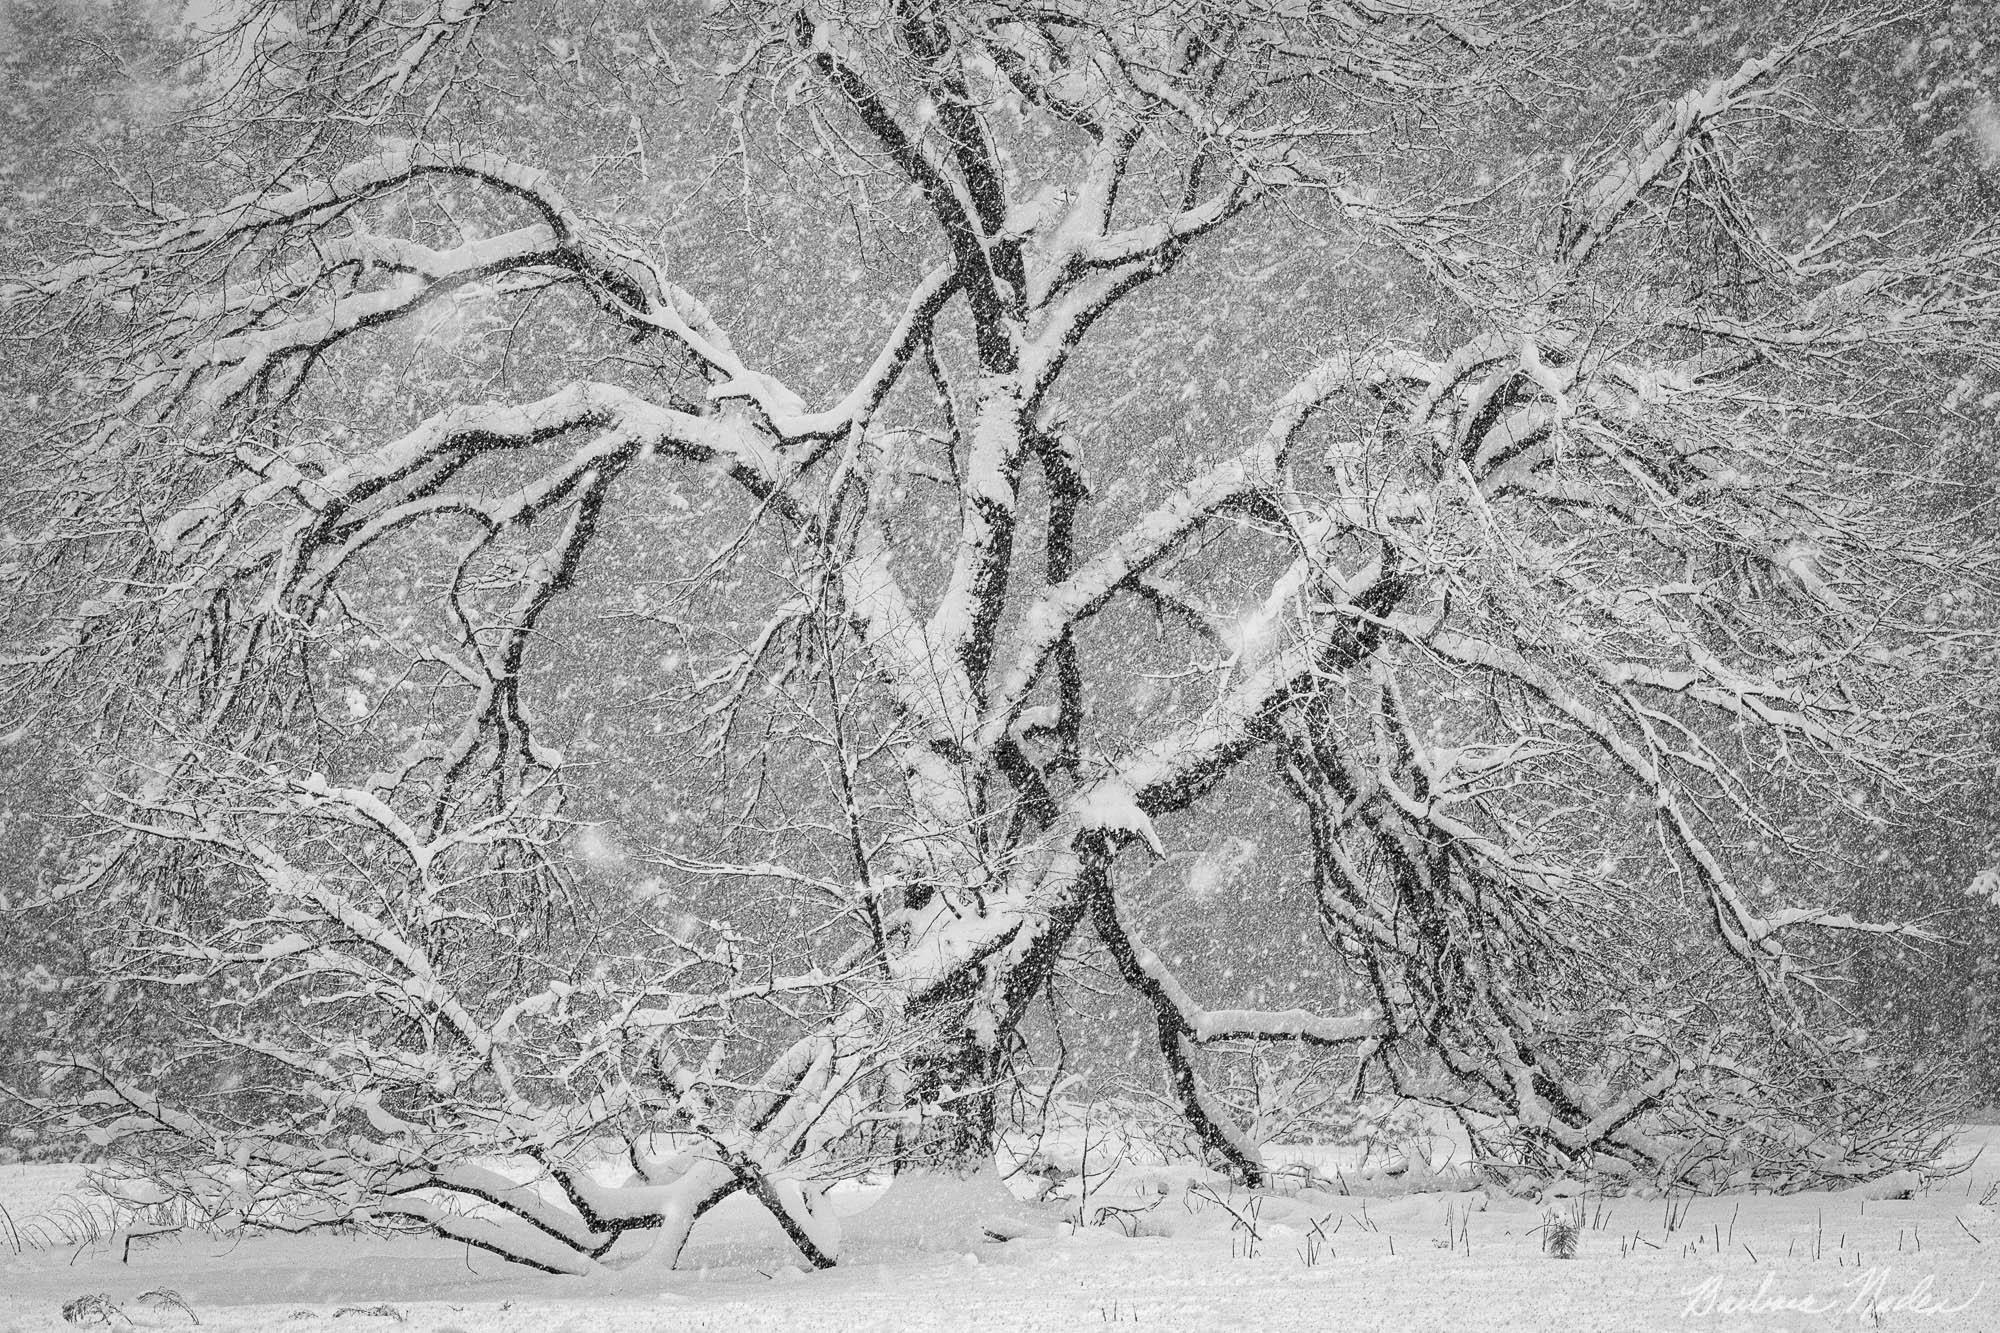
{"x": 1151, "y": 1247}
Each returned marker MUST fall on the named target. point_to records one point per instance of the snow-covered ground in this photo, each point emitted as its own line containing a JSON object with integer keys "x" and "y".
{"x": 1457, "y": 1261}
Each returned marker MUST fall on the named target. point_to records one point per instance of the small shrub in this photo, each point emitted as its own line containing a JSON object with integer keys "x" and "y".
{"x": 1561, "y": 1232}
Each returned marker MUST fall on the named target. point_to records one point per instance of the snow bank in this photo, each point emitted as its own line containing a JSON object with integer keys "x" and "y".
{"x": 927, "y": 1212}
{"x": 1822, "y": 1261}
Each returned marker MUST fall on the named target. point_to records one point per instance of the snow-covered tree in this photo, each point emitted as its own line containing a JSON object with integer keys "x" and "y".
{"x": 641, "y": 578}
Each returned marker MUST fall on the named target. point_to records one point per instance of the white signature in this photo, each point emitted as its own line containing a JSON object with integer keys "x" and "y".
{"x": 1867, "y": 1292}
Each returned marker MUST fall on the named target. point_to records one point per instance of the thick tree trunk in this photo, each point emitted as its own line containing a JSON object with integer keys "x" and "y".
{"x": 956, "y": 1090}
{"x": 955, "y": 1082}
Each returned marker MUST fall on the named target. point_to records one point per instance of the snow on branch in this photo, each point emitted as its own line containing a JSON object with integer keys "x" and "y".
{"x": 1642, "y": 752}
{"x": 1181, "y": 1023}
{"x": 1661, "y": 144}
